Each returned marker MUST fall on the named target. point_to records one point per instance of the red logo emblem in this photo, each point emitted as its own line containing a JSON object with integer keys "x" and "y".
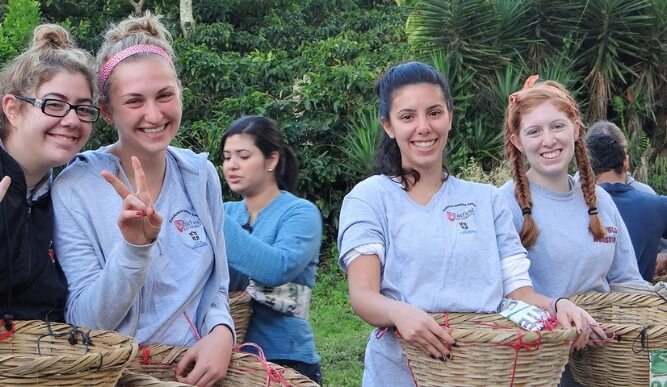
{"x": 180, "y": 225}
{"x": 451, "y": 216}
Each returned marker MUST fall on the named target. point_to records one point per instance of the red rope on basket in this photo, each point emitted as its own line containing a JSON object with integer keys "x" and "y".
{"x": 146, "y": 358}
{"x": 384, "y": 330}
{"x": 192, "y": 326}
{"x": 412, "y": 373}
{"x": 519, "y": 345}
{"x": 272, "y": 374}
{"x": 10, "y": 332}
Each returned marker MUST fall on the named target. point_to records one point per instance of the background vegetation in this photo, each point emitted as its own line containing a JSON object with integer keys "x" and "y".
{"x": 312, "y": 64}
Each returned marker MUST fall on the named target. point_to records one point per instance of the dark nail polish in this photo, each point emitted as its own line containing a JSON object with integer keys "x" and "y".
{"x": 450, "y": 356}
{"x": 455, "y": 344}
{"x": 432, "y": 357}
{"x": 442, "y": 358}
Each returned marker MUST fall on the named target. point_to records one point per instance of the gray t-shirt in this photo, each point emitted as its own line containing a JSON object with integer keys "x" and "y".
{"x": 179, "y": 268}
{"x": 443, "y": 256}
{"x": 566, "y": 259}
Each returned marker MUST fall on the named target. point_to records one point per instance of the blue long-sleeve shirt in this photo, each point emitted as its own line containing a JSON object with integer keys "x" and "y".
{"x": 645, "y": 216}
{"x": 283, "y": 246}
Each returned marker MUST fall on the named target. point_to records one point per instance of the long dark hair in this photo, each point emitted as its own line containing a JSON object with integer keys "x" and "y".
{"x": 387, "y": 154}
{"x": 268, "y": 138}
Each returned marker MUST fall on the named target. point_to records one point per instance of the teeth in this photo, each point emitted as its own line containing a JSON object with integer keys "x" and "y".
{"x": 551, "y": 155}
{"x": 424, "y": 144}
{"x": 153, "y": 130}
{"x": 64, "y": 138}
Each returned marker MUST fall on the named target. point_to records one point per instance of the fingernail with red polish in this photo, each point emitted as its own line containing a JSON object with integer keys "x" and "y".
{"x": 140, "y": 213}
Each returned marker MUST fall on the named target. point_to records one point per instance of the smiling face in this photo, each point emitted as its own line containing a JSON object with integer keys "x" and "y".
{"x": 246, "y": 170}
{"x": 546, "y": 137}
{"x": 40, "y": 142}
{"x": 420, "y": 123}
{"x": 144, "y": 105}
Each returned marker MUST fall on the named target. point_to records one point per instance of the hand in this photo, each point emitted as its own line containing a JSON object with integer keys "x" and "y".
{"x": 138, "y": 221}
{"x": 422, "y": 331}
{"x": 4, "y": 186}
{"x": 599, "y": 336}
{"x": 588, "y": 330}
{"x": 210, "y": 356}
{"x": 661, "y": 264}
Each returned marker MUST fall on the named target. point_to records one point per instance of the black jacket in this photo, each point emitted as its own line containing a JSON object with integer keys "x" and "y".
{"x": 32, "y": 283}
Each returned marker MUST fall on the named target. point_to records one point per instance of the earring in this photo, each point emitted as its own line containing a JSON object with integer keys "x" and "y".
{"x": 270, "y": 169}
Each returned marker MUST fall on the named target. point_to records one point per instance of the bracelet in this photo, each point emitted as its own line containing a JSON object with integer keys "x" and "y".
{"x": 556, "y": 303}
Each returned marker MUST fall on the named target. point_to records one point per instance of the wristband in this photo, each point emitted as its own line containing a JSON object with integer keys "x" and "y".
{"x": 556, "y": 303}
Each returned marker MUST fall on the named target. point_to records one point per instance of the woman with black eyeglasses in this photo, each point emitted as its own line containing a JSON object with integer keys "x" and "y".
{"x": 47, "y": 115}
{"x": 273, "y": 241}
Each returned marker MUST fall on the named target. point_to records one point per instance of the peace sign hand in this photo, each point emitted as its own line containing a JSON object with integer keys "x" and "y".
{"x": 138, "y": 221}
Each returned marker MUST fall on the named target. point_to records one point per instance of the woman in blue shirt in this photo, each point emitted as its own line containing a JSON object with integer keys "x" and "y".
{"x": 273, "y": 241}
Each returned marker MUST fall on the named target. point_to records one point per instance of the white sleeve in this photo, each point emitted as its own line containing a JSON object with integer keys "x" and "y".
{"x": 515, "y": 272}
{"x": 370, "y": 248}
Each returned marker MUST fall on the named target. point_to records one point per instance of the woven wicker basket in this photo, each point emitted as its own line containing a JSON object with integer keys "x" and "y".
{"x": 659, "y": 278}
{"x": 640, "y": 325}
{"x": 240, "y": 305}
{"x": 156, "y": 363}
{"x": 486, "y": 355}
{"x": 33, "y": 356}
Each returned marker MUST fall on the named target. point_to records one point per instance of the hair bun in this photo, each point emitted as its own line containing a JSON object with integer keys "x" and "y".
{"x": 531, "y": 81}
{"x": 148, "y": 24}
{"x": 51, "y": 36}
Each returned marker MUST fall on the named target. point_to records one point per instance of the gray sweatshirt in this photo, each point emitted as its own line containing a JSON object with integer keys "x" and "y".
{"x": 147, "y": 291}
{"x": 566, "y": 259}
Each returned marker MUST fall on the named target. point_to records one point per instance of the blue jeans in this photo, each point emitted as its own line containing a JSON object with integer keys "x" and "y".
{"x": 311, "y": 371}
{"x": 567, "y": 380}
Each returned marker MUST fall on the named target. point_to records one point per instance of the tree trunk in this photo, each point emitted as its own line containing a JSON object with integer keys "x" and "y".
{"x": 138, "y": 5}
{"x": 187, "y": 21}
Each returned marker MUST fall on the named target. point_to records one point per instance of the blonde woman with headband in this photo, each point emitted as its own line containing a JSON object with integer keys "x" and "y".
{"x": 138, "y": 222}
{"x": 46, "y": 118}
{"x": 575, "y": 237}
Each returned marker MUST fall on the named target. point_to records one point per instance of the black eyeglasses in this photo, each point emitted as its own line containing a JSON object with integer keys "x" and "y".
{"x": 57, "y": 108}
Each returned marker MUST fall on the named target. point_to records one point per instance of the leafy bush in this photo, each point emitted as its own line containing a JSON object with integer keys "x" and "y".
{"x": 21, "y": 16}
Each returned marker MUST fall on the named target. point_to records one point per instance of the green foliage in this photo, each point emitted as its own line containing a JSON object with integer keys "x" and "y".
{"x": 340, "y": 335}
{"x": 473, "y": 171}
{"x": 21, "y": 17}
{"x": 598, "y": 49}
{"x": 363, "y": 131}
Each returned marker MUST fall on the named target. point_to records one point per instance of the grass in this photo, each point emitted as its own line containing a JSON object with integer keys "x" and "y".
{"x": 340, "y": 335}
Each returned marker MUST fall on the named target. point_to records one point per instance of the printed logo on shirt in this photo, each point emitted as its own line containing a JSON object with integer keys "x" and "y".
{"x": 463, "y": 215}
{"x": 612, "y": 232}
{"x": 190, "y": 228}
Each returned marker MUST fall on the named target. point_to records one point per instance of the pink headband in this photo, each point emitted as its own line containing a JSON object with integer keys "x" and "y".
{"x": 108, "y": 67}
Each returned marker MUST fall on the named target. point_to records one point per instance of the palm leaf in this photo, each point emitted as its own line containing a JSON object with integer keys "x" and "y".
{"x": 610, "y": 29}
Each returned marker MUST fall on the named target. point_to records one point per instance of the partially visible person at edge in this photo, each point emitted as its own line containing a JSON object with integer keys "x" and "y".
{"x": 608, "y": 128}
{"x": 273, "y": 241}
{"x": 644, "y": 214}
{"x": 139, "y": 223}
{"x": 414, "y": 239}
{"x": 48, "y": 93}
{"x": 576, "y": 240}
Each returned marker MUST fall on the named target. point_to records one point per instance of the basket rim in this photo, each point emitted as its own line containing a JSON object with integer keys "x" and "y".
{"x": 494, "y": 328}
{"x": 39, "y": 329}
{"x": 632, "y": 300}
